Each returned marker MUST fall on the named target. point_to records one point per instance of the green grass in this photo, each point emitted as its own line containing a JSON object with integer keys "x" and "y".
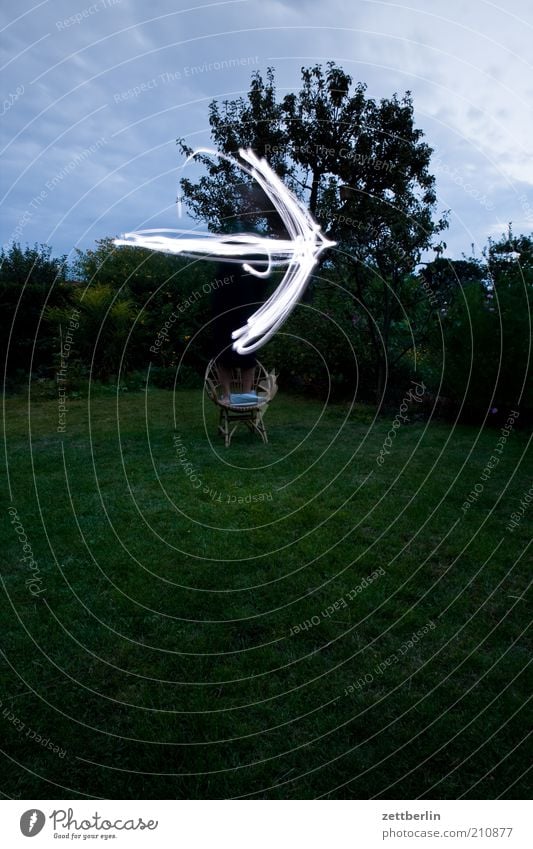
{"x": 159, "y": 654}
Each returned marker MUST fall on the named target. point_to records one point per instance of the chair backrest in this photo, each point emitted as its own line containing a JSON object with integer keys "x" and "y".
{"x": 267, "y": 384}
{"x": 264, "y": 382}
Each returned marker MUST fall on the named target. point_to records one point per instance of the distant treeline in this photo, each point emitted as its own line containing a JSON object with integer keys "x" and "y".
{"x": 463, "y": 327}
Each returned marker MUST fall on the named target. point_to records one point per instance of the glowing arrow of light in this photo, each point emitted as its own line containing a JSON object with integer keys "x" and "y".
{"x": 300, "y": 252}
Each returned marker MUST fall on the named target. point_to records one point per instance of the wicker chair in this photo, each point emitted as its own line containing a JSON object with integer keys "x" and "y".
{"x": 251, "y": 415}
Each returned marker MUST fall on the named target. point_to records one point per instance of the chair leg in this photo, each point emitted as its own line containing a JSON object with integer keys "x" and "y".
{"x": 254, "y": 423}
{"x": 232, "y": 431}
{"x": 261, "y": 427}
{"x": 223, "y": 427}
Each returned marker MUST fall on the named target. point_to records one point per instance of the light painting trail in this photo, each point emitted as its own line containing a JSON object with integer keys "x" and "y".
{"x": 300, "y": 252}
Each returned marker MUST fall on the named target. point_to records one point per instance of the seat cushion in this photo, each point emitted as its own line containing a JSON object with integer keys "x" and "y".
{"x": 245, "y": 399}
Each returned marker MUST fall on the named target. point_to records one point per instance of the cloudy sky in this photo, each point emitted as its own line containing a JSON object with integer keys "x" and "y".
{"x": 95, "y": 95}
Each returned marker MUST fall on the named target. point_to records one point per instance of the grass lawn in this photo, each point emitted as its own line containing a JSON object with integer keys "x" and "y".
{"x": 246, "y": 630}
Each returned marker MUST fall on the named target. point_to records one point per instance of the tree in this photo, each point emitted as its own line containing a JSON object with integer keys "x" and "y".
{"x": 481, "y": 347}
{"x": 159, "y": 288}
{"x": 103, "y": 339}
{"x": 361, "y": 167}
{"x": 32, "y": 265}
{"x": 140, "y": 270}
{"x": 30, "y": 279}
{"x": 441, "y": 278}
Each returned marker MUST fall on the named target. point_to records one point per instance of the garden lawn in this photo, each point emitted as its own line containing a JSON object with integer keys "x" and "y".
{"x": 212, "y": 623}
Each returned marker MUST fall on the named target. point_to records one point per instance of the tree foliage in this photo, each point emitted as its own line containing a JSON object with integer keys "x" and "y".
{"x": 481, "y": 342}
{"x": 361, "y": 166}
{"x": 157, "y": 288}
{"x": 35, "y": 266}
{"x": 30, "y": 279}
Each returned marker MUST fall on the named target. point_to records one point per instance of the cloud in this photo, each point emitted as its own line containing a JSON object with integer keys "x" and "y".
{"x": 139, "y": 76}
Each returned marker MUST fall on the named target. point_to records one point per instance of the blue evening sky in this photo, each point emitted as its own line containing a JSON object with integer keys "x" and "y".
{"x": 95, "y": 95}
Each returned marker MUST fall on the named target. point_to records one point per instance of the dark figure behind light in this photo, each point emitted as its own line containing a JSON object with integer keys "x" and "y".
{"x": 236, "y": 295}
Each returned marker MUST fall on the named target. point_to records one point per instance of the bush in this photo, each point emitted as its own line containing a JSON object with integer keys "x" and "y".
{"x": 486, "y": 349}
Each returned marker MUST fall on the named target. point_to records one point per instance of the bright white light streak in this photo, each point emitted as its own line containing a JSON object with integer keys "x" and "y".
{"x": 300, "y": 252}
